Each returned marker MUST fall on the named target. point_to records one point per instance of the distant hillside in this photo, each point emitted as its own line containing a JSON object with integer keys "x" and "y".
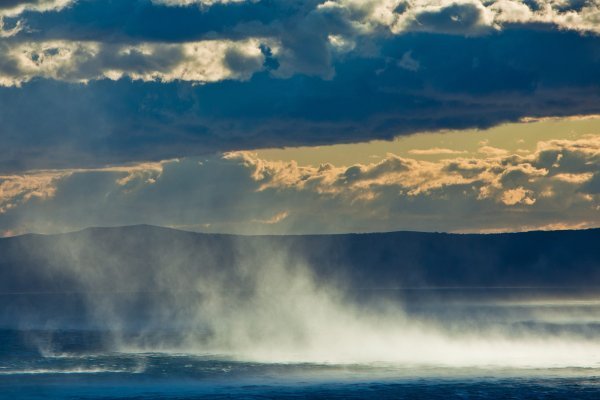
{"x": 397, "y": 259}
{"x": 145, "y": 264}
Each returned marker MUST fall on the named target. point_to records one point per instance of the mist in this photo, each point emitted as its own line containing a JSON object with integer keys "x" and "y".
{"x": 271, "y": 300}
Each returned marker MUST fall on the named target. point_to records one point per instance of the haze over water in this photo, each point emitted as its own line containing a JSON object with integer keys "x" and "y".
{"x": 504, "y": 349}
{"x": 268, "y": 323}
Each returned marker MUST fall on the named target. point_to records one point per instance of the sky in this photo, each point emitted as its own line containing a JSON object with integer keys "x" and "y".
{"x": 291, "y": 117}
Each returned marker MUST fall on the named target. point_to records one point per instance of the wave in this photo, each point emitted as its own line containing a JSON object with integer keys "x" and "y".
{"x": 53, "y": 371}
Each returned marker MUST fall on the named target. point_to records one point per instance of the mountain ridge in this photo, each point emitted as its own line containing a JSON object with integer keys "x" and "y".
{"x": 168, "y": 228}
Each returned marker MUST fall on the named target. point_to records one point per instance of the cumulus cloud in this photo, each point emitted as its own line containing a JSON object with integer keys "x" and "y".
{"x": 204, "y": 61}
{"x": 519, "y": 195}
{"x": 556, "y": 185}
{"x": 464, "y": 17}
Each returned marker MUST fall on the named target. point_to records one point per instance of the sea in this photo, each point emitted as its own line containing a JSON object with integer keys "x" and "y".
{"x": 543, "y": 349}
{"x": 83, "y": 372}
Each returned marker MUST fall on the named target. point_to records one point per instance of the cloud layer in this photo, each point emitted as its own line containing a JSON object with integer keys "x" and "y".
{"x": 556, "y": 186}
{"x": 90, "y": 83}
{"x": 80, "y": 62}
{"x": 302, "y": 37}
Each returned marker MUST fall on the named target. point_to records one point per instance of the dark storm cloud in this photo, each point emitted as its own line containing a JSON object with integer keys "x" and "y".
{"x": 89, "y": 83}
{"x": 461, "y": 82}
{"x": 127, "y": 20}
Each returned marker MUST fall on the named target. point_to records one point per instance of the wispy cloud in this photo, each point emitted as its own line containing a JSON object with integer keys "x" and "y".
{"x": 435, "y": 151}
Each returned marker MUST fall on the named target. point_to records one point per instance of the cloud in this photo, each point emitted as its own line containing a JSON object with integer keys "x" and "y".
{"x": 205, "y": 61}
{"x": 85, "y": 84}
{"x": 19, "y": 189}
{"x": 462, "y": 17}
{"x": 409, "y": 63}
{"x": 12, "y": 9}
{"x": 185, "y": 3}
{"x": 241, "y": 193}
{"x": 139, "y": 80}
{"x": 311, "y": 35}
{"x": 154, "y": 120}
{"x": 435, "y": 151}
{"x": 519, "y": 195}
{"x": 274, "y": 219}
{"x": 466, "y": 18}
{"x": 492, "y": 151}
{"x": 8, "y": 32}
{"x": 16, "y": 7}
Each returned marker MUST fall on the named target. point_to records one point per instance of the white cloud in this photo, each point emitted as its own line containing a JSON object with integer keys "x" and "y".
{"x": 469, "y": 17}
{"x": 204, "y": 61}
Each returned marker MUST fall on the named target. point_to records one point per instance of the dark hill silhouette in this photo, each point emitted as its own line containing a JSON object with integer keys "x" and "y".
{"x": 382, "y": 260}
{"x": 146, "y": 264}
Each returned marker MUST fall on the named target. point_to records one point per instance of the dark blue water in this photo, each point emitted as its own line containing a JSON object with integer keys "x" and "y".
{"x": 42, "y": 364}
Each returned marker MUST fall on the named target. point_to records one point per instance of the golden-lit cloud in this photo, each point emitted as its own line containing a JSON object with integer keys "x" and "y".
{"x": 555, "y": 185}
{"x": 435, "y": 151}
{"x": 18, "y": 189}
{"x": 518, "y": 195}
{"x": 491, "y": 151}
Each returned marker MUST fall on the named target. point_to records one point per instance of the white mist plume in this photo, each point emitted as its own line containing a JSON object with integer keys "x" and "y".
{"x": 267, "y": 304}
